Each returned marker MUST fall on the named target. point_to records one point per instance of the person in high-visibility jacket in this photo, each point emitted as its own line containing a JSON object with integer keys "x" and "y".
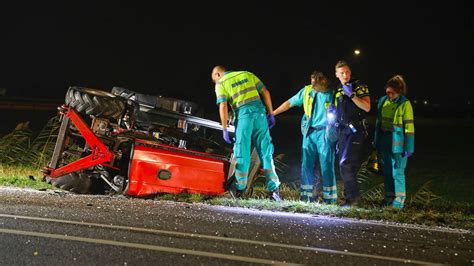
{"x": 317, "y": 149}
{"x": 252, "y": 105}
{"x": 395, "y": 138}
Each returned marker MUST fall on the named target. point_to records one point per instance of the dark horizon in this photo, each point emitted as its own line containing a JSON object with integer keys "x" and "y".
{"x": 47, "y": 47}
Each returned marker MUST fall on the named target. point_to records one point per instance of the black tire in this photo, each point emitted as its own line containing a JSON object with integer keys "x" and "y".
{"x": 95, "y": 102}
{"x": 79, "y": 183}
{"x": 160, "y": 102}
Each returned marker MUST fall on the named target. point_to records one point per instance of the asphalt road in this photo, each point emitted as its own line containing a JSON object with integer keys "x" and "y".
{"x": 56, "y": 228}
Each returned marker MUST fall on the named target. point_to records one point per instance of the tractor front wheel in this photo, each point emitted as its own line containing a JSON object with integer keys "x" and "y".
{"x": 79, "y": 183}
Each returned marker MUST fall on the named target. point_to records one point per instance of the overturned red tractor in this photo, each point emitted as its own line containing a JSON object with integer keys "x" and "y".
{"x": 138, "y": 145}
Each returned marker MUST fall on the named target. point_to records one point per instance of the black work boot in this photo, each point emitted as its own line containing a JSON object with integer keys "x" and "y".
{"x": 351, "y": 203}
{"x": 237, "y": 194}
{"x": 275, "y": 195}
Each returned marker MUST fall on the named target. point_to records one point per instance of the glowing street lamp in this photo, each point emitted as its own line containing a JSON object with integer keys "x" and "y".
{"x": 357, "y": 52}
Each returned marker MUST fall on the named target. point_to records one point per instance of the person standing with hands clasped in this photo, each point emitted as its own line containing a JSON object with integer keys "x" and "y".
{"x": 317, "y": 149}
{"x": 253, "y": 119}
{"x": 353, "y": 103}
{"x": 394, "y": 139}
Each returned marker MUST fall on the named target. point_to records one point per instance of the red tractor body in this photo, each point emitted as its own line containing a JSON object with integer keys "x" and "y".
{"x": 137, "y": 145}
{"x": 160, "y": 168}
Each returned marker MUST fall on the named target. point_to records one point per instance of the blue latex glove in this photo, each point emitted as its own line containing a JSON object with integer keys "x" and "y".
{"x": 271, "y": 120}
{"x": 407, "y": 154}
{"x": 332, "y": 108}
{"x": 225, "y": 136}
{"x": 347, "y": 88}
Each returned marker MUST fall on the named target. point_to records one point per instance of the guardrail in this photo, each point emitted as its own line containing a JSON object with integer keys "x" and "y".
{"x": 29, "y": 104}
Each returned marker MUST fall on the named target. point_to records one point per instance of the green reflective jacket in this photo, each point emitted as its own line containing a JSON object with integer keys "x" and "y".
{"x": 398, "y": 120}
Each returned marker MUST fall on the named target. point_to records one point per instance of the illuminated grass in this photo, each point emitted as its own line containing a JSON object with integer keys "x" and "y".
{"x": 438, "y": 213}
{"x": 22, "y": 176}
{"x": 460, "y": 216}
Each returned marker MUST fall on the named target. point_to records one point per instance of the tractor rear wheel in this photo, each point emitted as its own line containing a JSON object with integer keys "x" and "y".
{"x": 95, "y": 102}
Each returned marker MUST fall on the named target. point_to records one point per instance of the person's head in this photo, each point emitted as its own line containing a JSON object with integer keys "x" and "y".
{"x": 343, "y": 71}
{"x": 395, "y": 87}
{"x": 319, "y": 81}
{"x": 217, "y": 73}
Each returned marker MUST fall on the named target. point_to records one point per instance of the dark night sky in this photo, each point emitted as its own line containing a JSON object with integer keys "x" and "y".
{"x": 170, "y": 50}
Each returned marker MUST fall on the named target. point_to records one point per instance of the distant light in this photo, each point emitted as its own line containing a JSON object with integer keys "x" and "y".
{"x": 469, "y": 102}
{"x": 425, "y": 102}
{"x": 415, "y": 101}
{"x": 357, "y": 52}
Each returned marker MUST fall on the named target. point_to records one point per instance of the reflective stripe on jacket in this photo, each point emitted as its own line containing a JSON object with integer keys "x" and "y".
{"x": 308, "y": 101}
{"x": 398, "y": 119}
{"x": 238, "y": 88}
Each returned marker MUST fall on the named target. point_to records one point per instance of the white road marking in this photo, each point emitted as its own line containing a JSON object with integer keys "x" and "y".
{"x": 217, "y": 238}
{"x": 145, "y": 246}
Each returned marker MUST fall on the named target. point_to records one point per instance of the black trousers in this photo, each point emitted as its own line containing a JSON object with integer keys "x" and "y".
{"x": 351, "y": 152}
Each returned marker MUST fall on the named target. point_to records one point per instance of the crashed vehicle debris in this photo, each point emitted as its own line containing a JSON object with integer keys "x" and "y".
{"x": 134, "y": 144}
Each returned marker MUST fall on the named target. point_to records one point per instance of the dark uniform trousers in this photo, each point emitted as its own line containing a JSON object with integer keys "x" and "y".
{"x": 351, "y": 153}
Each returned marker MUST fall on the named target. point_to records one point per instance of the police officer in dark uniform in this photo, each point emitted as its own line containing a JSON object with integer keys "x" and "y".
{"x": 352, "y": 101}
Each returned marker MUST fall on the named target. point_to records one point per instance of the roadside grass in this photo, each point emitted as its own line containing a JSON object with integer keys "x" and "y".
{"x": 22, "y": 176}
{"x": 423, "y": 208}
{"x": 438, "y": 212}
{"x": 460, "y": 217}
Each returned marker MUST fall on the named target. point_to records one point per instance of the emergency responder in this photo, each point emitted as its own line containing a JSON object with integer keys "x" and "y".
{"x": 352, "y": 100}
{"x": 317, "y": 150}
{"x": 253, "y": 118}
{"x": 394, "y": 138}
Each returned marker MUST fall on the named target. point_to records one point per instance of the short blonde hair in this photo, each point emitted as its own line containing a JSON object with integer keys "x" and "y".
{"x": 341, "y": 63}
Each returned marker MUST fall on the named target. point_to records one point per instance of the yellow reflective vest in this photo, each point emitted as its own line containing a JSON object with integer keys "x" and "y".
{"x": 308, "y": 101}
{"x": 308, "y": 106}
{"x": 238, "y": 88}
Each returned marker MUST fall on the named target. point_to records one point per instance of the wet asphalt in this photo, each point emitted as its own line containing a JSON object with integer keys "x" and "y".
{"x": 58, "y": 228}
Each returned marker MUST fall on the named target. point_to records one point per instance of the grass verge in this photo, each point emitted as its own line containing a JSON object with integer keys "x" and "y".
{"x": 437, "y": 213}
{"x": 22, "y": 176}
{"x": 441, "y": 213}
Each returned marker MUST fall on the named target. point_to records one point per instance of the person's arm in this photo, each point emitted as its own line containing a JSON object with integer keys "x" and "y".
{"x": 409, "y": 129}
{"x": 223, "y": 114}
{"x": 282, "y": 108}
{"x": 362, "y": 102}
{"x": 296, "y": 100}
{"x": 267, "y": 100}
{"x": 360, "y": 96}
